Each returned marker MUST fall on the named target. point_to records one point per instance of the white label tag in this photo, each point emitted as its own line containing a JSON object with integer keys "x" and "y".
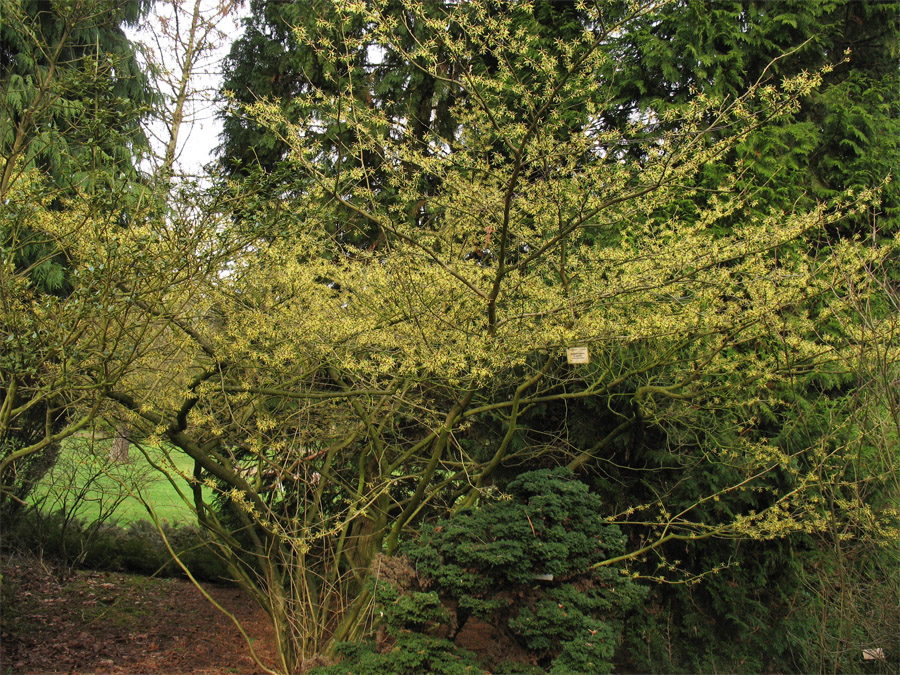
{"x": 876, "y": 654}
{"x": 578, "y": 355}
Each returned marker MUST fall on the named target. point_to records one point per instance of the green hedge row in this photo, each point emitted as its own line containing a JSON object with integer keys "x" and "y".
{"x": 135, "y": 548}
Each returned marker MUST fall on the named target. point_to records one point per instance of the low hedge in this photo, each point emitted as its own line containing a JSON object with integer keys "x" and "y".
{"x": 136, "y": 548}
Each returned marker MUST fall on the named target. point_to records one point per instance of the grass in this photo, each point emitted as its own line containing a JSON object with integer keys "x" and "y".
{"x": 86, "y": 482}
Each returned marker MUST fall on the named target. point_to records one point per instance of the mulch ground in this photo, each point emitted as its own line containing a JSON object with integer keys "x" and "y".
{"x": 102, "y": 622}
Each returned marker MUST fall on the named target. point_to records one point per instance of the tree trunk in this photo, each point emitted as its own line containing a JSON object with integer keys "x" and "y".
{"x": 118, "y": 452}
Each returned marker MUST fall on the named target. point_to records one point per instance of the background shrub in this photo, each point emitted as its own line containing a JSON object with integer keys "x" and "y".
{"x": 136, "y": 548}
{"x": 483, "y": 562}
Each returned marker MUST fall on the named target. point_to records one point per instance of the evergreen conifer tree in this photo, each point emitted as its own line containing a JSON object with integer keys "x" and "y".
{"x": 74, "y": 93}
{"x": 846, "y": 134}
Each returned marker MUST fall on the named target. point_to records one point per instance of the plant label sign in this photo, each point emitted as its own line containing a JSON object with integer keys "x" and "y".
{"x": 876, "y": 654}
{"x": 578, "y": 355}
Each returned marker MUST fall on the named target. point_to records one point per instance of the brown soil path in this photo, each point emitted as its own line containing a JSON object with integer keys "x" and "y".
{"x": 104, "y": 623}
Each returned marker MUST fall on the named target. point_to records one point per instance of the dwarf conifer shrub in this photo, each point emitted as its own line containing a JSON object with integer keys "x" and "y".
{"x": 409, "y": 654}
{"x": 523, "y": 564}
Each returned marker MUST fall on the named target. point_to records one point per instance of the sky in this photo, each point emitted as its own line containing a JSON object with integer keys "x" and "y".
{"x": 199, "y": 134}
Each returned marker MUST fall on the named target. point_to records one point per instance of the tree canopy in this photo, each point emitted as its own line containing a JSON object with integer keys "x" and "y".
{"x": 74, "y": 94}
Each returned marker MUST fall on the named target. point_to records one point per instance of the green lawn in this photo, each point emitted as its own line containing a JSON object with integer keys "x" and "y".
{"x": 87, "y": 480}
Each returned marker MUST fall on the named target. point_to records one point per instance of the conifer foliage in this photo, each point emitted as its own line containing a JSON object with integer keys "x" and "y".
{"x": 73, "y": 92}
